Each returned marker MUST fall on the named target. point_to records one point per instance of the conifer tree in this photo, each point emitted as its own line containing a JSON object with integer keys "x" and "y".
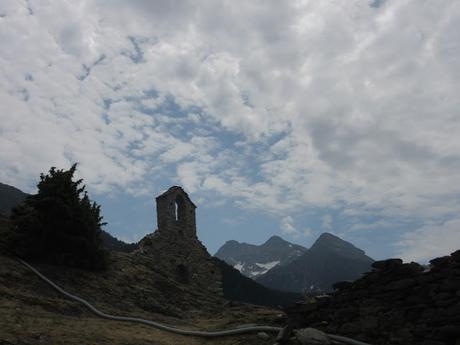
{"x": 59, "y": 224}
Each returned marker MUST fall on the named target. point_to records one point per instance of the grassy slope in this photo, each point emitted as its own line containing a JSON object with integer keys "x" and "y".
{"x": 31, "y": 312}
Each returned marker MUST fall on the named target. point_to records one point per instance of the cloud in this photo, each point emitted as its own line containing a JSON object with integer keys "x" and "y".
{"x": 327, "y": 222}
{"x": 288, "y": 228}
{"x": 430, "y": 241}
{"x": 276, "y": 106}
{"x": 307, "y": 232}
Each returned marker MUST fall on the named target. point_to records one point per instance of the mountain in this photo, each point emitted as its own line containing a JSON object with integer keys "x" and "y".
{"x": 329, "y": 260}
{"x": 112, "y": 243}
{"x": 254, "y": 260}
{"x": 9, "y": 197}
{"x": 239, "y": 288}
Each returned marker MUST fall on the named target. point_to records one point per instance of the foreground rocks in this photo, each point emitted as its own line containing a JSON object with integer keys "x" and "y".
{"x": 396, "y": 303}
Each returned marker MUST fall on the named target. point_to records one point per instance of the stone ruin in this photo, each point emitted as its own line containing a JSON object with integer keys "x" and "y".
{"x": 396, "y": 303}
{"x": 175, "y": 249}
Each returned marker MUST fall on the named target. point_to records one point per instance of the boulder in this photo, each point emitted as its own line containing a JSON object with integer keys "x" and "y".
{"x": 440, "y": 262}
{"x": 384, "y": 265}
{"x": 263, "y": 335}
{"x": 312, "y": 336}
{"x": 456, "y": 256}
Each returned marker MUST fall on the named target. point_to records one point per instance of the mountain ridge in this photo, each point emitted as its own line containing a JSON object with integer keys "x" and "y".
{"x": 253, "y": 260}
{"x": 329, "y": 259}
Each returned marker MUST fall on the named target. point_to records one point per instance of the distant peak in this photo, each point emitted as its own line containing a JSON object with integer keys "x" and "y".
{"x": 328, "y": 239}
{"x": 326, "y": 236}
{"x": 275, "y": 239}
{"x": 332, "y": 242}
{"x": 232, "y": 242}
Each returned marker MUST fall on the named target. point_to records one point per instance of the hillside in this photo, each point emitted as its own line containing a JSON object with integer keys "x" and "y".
{"x": 255, "y": 260}
{"x": 112, "y": 243}
{"x": 240, "y": 288}
{"x": 9, "y": 197}
{"x": 329, "y": 260}
{"x": 233, "y": 291}
{"x": 33, "y": 313}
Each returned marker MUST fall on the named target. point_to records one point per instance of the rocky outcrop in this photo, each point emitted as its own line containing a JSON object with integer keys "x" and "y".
{"x": 395, "y": 303}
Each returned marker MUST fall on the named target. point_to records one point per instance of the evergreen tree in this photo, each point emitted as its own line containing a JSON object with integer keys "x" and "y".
{"x": 59, "y": 224}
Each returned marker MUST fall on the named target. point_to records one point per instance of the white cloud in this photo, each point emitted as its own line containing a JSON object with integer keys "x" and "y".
{"x": 327, "y": 222}
{"x": 350, "y": 105}
{"x": 288, "y": 228}
{"x": 307, "y": 232}
{"x": 430, "y": 241}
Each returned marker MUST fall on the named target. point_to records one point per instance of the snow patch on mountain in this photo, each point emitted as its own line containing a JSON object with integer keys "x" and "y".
{"x": 265, "y": 268}
{"x": 239, "y": 266}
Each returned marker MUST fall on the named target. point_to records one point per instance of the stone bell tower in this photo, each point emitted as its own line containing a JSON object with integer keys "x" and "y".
{"x": 176, "y": 213}
{"x": 176, "y": 250}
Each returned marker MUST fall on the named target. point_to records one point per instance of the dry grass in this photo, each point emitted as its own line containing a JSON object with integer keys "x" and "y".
{"x": 32, "y": 313}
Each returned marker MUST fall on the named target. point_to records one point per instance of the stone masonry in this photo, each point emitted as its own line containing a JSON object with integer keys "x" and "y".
{"x": 176, "y": 213}
{"x": 175, "y": 250}
{"x": 396, "y": 303}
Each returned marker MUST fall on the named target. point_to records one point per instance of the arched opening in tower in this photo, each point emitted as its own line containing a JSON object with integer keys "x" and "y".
{"x": 179, "y": 208}
{"x": 176, "y": 213}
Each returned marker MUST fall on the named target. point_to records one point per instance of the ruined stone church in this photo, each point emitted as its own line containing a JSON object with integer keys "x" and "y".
{"x": 174, "y": 247}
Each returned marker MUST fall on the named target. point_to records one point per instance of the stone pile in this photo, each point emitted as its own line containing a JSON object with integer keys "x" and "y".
{"x": 396, "y": 303}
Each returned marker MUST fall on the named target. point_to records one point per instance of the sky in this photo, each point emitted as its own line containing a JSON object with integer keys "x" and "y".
{"x": 287, "y": 118}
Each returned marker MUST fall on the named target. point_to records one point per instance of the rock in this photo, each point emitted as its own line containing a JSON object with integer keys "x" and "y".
{"x": 284, "y": 335}
{"x": 433, "y": 342}
{"x": 384, "y": 265}
{"x": 450, "y": 285}
{"x": 346, "y": 313}
{"x": 452, "y": 311}
{"x": 323, "y": 300}
{"x": 263, "y": 335}
{"x": 400, "y": 284}
{"x": 342, "y": 285}
{"x": 440, "y": 262}
{"x": 369, "y": 324}
{"x": 455, "y": 256}
{"x": 308, "y": 307}
{"x": 350, "y": 327}
{"x": 407, "y": 270}
{"x": 450, "y": 331}
{"x": 369, "y": 310}
{"x": 396, "y": 303}
{"x": 312, "y": 336}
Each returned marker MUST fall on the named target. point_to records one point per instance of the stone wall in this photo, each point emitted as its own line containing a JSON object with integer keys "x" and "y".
{"x": 396, "y": 303}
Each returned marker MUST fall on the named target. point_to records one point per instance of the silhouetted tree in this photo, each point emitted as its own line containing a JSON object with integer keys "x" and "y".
{"x": 59, "y": 224}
